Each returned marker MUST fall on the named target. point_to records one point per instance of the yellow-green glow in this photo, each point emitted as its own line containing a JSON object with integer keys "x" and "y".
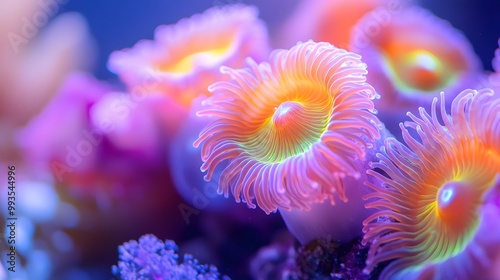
{"x": 425, "y": 60}
{"x": 418, "y": 71}
{"x": 292, "y": 125}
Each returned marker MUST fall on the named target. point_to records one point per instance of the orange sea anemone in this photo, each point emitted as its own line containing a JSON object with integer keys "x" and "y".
{"x": 330, "y": 21}
{"x": 290, "y": 129}
{"x": 185, "y": 58}
{"x": 435, "y": 196}
{"x": 411, "y": 57}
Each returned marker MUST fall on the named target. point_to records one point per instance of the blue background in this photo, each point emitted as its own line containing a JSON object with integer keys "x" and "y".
{"x": 118, "y": 24}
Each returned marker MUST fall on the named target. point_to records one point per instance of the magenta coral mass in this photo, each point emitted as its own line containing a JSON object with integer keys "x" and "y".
{"x": 290, "y": 129}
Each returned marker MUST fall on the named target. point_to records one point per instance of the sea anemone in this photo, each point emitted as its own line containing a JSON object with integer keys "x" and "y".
{"x": 290, "y": 129}
{"x": 185, "y": 58}
{"x": 412, "y": 56}
{"x": 434, "y": 192}
{"x": 329, "y": 21}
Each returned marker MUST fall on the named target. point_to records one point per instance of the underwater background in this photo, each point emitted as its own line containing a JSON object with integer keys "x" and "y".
{"x": 102, "y": 181}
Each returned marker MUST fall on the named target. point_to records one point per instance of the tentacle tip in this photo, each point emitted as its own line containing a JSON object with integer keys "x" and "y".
{"x": 250, "y": 61}
{"x": 344, "y": 199}
{"x": 196, "y": 144}
{"x": 224, "y": 70}
{"x": 267, "y": 211}
{"x": 252, "y": 206}
{"x": 366, "y": 271}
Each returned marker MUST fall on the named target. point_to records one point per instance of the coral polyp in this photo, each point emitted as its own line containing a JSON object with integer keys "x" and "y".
{"x": 290, "y": 129}
{"x": 435, "y": 189}
{"x": 185, "y": 57}
{"x": 412, "y": 55}
{"x": 329, "y": 21}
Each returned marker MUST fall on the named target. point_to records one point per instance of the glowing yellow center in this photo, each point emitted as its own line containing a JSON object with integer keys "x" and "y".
{"x": 204, "y": 58}
{"x": 298, "y": 118}
{"x": 423, "y": 71}
{"x": 419, "y": 69}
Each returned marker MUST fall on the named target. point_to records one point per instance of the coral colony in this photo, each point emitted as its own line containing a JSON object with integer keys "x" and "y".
{"x": 299, "y": 131}
{"x": 371, "y": 130}
{"x": 150, "y": 258}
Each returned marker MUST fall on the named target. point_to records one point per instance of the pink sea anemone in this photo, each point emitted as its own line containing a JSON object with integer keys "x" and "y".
{"x": 439, "y": 193}
{"x": 185, "y": 58}
{"x": 290, "y": 129}
{"x": 412, "y": 56}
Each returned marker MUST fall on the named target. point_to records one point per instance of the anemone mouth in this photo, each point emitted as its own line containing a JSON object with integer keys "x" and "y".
{"x": 419, "y": 70}
{"x": 290, "y": 129}
{"x": 436, "y": 185}
{"x": 297, "y": 120}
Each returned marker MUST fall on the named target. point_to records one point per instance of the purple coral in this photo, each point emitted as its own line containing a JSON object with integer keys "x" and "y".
{"x": 151, "y": 258}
